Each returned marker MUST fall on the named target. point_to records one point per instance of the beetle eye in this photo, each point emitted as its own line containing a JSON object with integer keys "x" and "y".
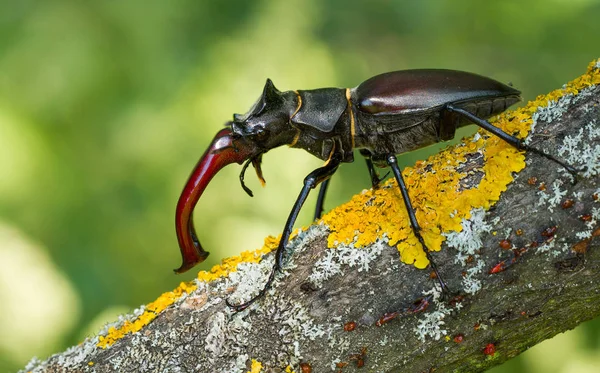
{"x": 261, "y": 134}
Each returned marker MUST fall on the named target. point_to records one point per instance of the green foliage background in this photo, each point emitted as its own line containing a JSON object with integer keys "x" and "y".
{"x": 106, "y": 106}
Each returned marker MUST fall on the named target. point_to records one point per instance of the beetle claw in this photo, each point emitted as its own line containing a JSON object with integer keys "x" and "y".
{"x": 224, "y": 149}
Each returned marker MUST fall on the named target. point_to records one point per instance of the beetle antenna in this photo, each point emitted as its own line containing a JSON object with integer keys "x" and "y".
{"x": 246, "y": 189}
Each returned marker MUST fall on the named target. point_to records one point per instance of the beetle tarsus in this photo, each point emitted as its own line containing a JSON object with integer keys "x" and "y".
{"x": 574, "y": 172}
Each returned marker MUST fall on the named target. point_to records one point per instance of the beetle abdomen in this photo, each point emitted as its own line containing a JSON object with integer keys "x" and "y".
{"x": 416, "y": 90}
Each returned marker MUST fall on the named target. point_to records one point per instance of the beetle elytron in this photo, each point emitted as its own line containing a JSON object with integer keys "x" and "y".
{"x": 386, "y": 115}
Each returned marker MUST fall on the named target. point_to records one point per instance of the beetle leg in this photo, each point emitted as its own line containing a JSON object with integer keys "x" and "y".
{"x": 392, "y": 161}
{"x": 375, "y": 179}
{"x": 517, "y": 143}
{"x": 313, "y": 179}
{"x": 321, "y": 199}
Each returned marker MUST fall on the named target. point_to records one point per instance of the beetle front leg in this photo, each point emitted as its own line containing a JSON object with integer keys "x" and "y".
{"x": 392, "y": 161}
{"x": 313, "y": 179}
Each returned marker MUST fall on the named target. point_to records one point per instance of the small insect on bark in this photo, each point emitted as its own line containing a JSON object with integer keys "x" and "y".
{"x": 388, "y": 114}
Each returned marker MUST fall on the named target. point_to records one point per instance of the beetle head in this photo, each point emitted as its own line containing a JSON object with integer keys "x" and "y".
{"x": 264, "y": 127}
{"x": 267, "y": 123}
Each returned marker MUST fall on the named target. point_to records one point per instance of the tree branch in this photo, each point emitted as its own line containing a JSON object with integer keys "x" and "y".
{"x": 523, "y": 270}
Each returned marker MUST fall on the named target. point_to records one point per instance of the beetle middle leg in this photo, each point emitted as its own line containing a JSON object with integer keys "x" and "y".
{"x": 375, "y": 179}
{"x": 392, "y": 161}
{"x": 321, "y": 199}
{"x": 313, "y": 179}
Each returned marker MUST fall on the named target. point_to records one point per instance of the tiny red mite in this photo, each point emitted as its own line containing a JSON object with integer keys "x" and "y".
{"x": 359, "y": 358}
{"x": 505, "y": 244}
{"x": 519, "y": 252}
{"x": 305, "y": 367}
{"x": 498, "y": 267}
{"x": 350, "y": 326}
{"x": 550, "y": 231}
{"x": 490, "y": 349}
{"x": 582, "y": 246}
{"x": 568, "y": 203}
{"x": 456, "y": 299}
{"x": 420, "y": 305}
{"x": 459, "y": 338}
{"x": 386, "y": 318}
{"x": 586, "y": 217}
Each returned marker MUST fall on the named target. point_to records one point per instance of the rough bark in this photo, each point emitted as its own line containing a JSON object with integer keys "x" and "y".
{"x": 549, "y": 286}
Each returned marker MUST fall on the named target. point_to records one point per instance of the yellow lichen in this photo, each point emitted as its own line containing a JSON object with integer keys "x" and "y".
{"x": 229, "y": 264}
{"x": 165, "y": 300}
{"x": 151, "y": 311}
{"x": 439, "y": 203}
{"x": 434, "y": 187}
{"x": 256, "y": 367}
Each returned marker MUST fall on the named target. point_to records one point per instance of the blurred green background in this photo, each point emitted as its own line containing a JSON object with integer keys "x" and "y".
{"x": 106, "y": 106}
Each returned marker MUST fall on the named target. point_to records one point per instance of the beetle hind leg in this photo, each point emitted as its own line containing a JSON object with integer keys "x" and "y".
{"x": 517, "y": 143}
{"x": 392, "y": 161}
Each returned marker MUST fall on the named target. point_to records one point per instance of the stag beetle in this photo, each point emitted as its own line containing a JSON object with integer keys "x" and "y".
{"x": 388, "y": 114}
